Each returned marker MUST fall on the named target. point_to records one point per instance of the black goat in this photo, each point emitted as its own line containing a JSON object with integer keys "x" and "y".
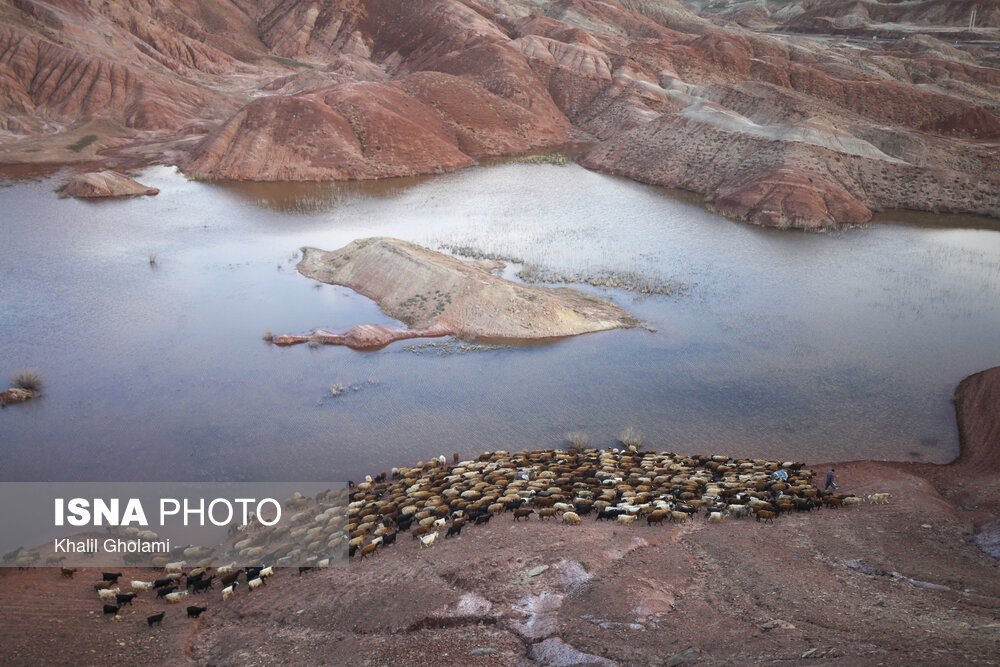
{"x": 454, "y": 529}
{"x": 483, "y": 518}
{"x": 125, "y": 598}
{"x": 195, "y": 612}
{"x": 111, "y": 576}
{"x": 156, "y": 618}
{"x": 202, "y": 584}
{"x": 111, "y": 608}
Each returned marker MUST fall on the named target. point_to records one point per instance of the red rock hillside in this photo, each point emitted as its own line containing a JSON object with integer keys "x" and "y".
{"x": 741, "y": 102}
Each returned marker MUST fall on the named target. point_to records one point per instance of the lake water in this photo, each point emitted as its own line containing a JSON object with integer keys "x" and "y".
{"x": 810, "y": 346}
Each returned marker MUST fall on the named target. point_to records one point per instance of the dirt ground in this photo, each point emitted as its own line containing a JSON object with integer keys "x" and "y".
{"x": 887, "y": 584}
{"x": 901, "y": 583}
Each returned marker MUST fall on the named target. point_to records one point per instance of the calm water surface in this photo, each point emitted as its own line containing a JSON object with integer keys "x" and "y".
{"x": 783, "y": 344}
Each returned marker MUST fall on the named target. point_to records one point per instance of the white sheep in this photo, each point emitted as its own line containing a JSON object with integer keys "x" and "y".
{"x": 740, "y": 511}
{"x": 427, "y": 540}
{"x": 255, "y": 583}
{"x": 563, "y": 507}
{"x": 226, "y": 569}
{"x": 227, "y": 592}
{"x": 879, "y": 498}
{"x": 141, "y": 585}
{"x": 267, "y": 571}
{"x": 572, "y": 518}
{"x": 175, "y": 567}
{"x": 717, "y": 516}
{"x": 625, "y": 519}
{"x": 109, "y": 593}
{"x": 439, "y": 523}
{"x": 176, "y": 597}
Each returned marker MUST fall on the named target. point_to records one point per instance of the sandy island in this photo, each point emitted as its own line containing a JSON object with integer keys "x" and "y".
{"x": 105, "y": 184}
{"x": 439, "y": 295}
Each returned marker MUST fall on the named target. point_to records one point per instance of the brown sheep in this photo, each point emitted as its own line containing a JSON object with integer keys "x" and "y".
{"x": 656, "y": 516}
{"x": 766, "y": 515}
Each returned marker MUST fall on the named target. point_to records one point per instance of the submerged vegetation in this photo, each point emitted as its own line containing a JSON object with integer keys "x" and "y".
{"x": 28, "y": 379}
{"x": 453, "y": 346}
{"x": 629, "y": 280}
{"x": 337, "y": 390}
{"x": 630, "y": 437}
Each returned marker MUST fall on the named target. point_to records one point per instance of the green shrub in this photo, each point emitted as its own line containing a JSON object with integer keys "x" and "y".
{"x": 82, "y": 143}
{"x": 290, "y": 62}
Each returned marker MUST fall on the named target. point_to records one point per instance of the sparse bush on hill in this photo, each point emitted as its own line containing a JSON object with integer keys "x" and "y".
{"x": 630, "y": 437}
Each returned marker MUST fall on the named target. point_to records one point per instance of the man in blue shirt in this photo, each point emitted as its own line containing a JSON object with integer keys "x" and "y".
{"x": 829, "y": 481}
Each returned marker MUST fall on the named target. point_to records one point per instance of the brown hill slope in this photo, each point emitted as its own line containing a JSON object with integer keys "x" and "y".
{"x": 306, "y": 90}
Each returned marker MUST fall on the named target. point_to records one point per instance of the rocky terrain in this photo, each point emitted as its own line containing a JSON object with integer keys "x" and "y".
{"x": 438, "y": 295}
{"x": 896, "y": 583}
{"x": 753, "y": 106}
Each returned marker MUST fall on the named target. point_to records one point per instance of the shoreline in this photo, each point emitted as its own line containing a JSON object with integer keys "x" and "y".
{"x": 896, "y": 583}
{"x": 16, "y": 172}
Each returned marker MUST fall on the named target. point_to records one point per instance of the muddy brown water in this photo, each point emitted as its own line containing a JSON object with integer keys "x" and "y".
{"x": 781, "y": 344}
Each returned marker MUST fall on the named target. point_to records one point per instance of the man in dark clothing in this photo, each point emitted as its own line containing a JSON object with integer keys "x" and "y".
{"x": 829, "y": 481}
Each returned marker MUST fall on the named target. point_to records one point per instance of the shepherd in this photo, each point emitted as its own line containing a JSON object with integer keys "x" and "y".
{"x": 829, "y": 481}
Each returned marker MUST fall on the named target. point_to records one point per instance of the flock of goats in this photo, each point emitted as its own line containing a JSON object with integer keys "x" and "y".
{"x": 624, "y": 486}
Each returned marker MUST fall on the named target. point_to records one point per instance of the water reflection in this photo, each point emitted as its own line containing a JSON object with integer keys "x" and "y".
{"x": 787, "y": 345}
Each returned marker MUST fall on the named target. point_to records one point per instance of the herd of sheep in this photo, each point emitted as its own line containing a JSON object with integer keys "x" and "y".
{"x": 564, "y": 485}
{"x": 167, "y": 588}
{"x": 614, "y": 485}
